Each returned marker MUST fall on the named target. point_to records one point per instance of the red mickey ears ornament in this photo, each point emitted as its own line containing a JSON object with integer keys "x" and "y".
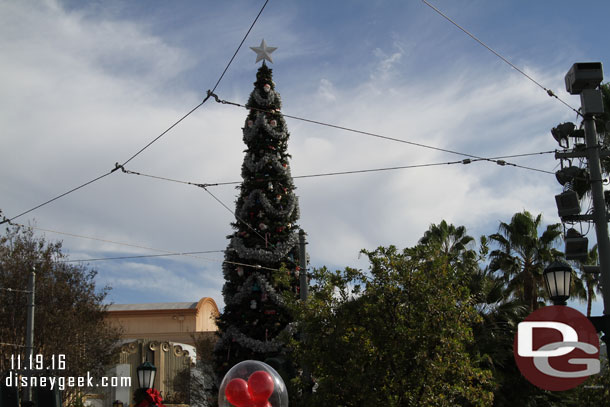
{"x": 252, "y": 384}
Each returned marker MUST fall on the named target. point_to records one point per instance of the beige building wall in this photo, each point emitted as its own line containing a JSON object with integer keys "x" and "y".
{"x": 175, "y": 322}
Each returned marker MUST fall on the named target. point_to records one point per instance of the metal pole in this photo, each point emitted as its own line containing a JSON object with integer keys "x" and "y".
{"x": 599, "y": 205}
{"x": 304, "y": 290}
{"x": 303, "y": 266}
{"x": 29, "y": 336}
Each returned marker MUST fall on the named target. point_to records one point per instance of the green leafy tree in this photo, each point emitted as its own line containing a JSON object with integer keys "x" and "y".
{"x": 523, "y": 254}
{"x": 265, "y": 238}
{"x": 397, "y": 335}
{"x": 69, "y": 314}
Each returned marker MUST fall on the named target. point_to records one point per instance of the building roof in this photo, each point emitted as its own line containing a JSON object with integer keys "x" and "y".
{"x": 153, "y": 306}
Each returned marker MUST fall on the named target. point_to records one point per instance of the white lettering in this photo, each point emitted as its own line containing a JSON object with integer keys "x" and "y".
{"x": 525, "y": 338}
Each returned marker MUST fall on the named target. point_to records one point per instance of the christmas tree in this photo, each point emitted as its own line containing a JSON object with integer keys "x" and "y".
{"x": 265, "y": 239}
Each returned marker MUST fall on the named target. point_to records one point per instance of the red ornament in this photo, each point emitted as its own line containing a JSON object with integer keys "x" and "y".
{"x": 260, "y": 386}
{"x": 253, "y": 393}
{"x": 237, "y": 393}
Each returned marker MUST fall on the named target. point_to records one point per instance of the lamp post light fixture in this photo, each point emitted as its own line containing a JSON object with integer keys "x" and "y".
{"x": 558, "y": 279}
{"x": 146, "y": 375}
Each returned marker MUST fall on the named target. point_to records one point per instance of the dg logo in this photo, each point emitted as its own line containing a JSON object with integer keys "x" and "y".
{"x": 556, "y": 348}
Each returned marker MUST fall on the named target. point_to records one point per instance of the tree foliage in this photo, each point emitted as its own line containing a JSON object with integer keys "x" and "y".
{"x": 522, "y": 255}
{"x": 397, "y": 335}
{"x": 69, "y": 315}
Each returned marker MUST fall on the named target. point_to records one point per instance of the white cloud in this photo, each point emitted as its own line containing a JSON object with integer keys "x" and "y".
{"x": 81, "y": 93}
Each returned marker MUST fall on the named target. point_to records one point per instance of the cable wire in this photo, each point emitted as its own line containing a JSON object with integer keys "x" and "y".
{"x": 12, "y": 344}
{"x": 156, "y": 138}
{"x": 239, "y": 47}
{"x": 366, "y": 133}
{"x": 206, "y": 185}
{"x": 7, "y": 220}
{"x": 14, "y": 289}
{"x": 139, "y": 257}
{"x": 168, "y": 252}
{"x": 548, "y": 91}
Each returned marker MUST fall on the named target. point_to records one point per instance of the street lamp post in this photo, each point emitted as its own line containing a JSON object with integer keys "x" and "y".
{"x": 146, "y": 375}
{"x": 558, "y": 279}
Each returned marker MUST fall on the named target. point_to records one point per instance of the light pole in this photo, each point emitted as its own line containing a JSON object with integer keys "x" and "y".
{"x": 558, "y": 279}
{"x": 146, "y": 375}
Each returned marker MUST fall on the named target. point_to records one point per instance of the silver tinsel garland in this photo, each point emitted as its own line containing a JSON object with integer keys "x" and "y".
{"x": 290, "y": 205}
{"x": 261, "y": 122}
{"x": 272, "y": 98}
{"x": 255, "y": 345}
{"x": 279, "y": 250}
{"x": 255, "y": 165}
{"x": 246, "y": 288}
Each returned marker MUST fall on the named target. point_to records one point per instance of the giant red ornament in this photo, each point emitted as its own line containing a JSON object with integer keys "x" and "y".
{"x": 260, "y": 386}
{"x": 237, "y": 393}
{"x": 253, "y": 393}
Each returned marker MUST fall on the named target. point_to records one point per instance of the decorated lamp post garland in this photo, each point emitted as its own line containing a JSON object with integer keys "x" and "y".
{"x": 265, "y": 237}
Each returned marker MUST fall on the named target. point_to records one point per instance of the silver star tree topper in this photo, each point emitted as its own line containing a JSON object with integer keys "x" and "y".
{"x": 263, "y": 52}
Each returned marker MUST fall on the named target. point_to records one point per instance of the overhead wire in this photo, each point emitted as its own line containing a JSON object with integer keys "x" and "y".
{"x": 548, "y": 91}
{"x": 206, "y": 185}
{"x": 167, "y": 252}
{"x": 15, "y": 289}
{"x": 138, "y": 257}
{"x": 155, "y": 139}
{"x": 12, "y": 344}
{"x": 376, "y": 135}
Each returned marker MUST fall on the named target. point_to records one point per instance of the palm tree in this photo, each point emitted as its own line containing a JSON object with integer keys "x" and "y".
{"x": 589, "y": 282}
{"x": 522, "y": 255}
{"x": 450, "y": 242}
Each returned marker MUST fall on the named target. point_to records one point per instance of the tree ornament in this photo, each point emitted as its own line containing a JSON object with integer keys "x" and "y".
{"x": 267, "y": 88}
{"x": 278, "y": 197}
{"x": 253, "y": 304}
{"x": 263, "y": 52}
{"x": 240, "y": 271}
{"x": 252, "y": 384}
{"x": 270, "y": 187}
{"x": 262, "y": 226}
{"x": 250, "y": 123}
{"x": 273, "y": 123}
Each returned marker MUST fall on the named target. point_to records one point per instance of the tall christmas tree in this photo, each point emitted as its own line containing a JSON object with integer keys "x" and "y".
{"x": 265, "y": 238}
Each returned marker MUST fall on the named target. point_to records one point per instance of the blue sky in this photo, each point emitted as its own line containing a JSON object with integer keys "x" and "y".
{"x": 87, "y": 84}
